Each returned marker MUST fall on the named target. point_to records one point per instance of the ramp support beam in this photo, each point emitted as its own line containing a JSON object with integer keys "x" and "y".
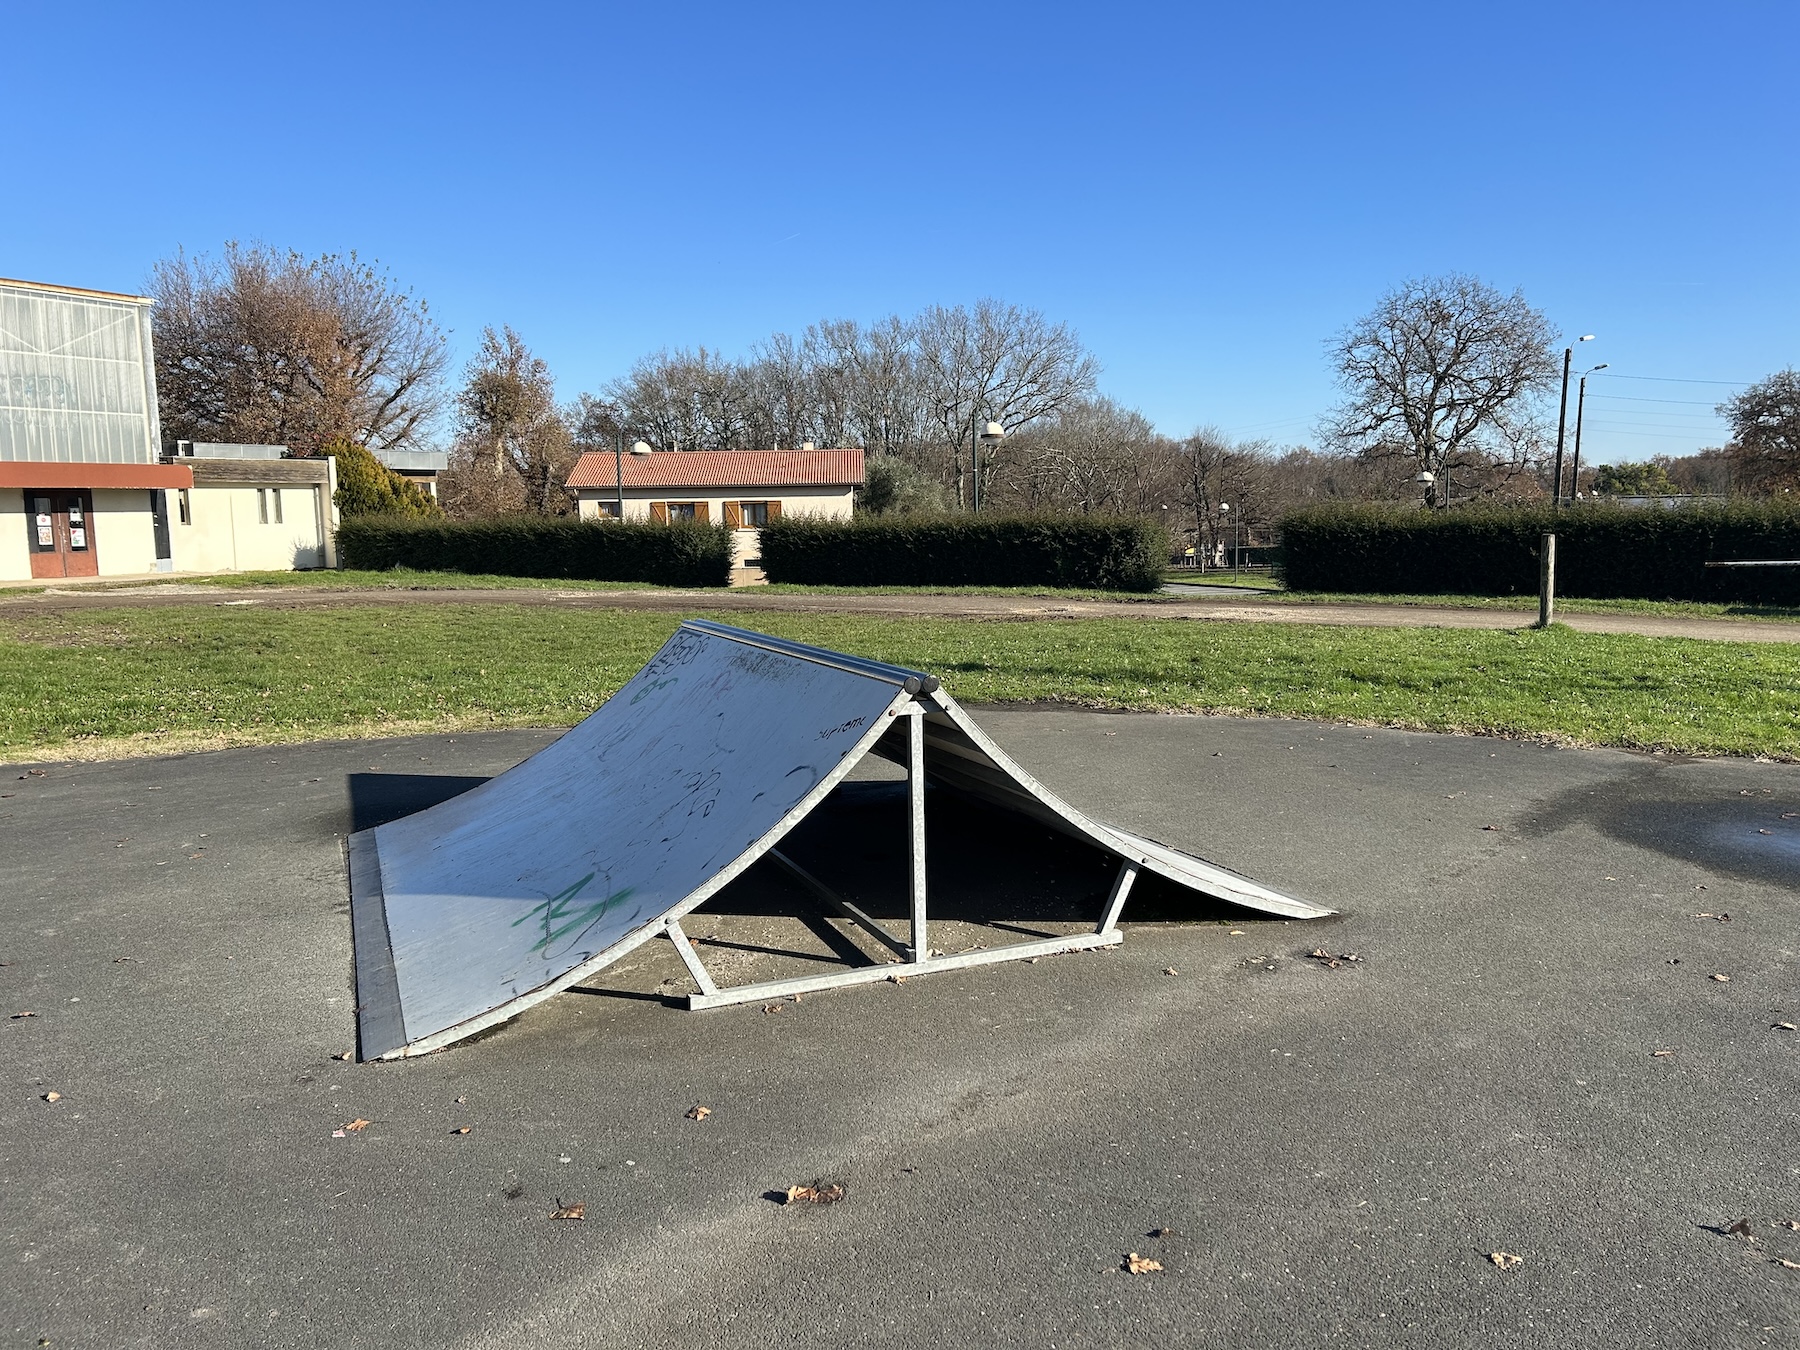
{"x": 915, "y": 815}
{"x": 1115, "y": 902}
{"x": 689, "y": 957}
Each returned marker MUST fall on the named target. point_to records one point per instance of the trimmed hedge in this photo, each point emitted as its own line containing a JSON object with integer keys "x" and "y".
{"x": 1602, "y": 552}
{"x": 681, "y": 553}
{"x": 1075, "y": 551}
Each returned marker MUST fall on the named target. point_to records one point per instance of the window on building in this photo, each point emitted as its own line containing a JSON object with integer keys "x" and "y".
{"x": 262, "y": 506}
{"x": 276, "y": 494}
{"x": 607, "y": 510}
{"x": 678, "y": 511}
{"x": 185, "y": 507}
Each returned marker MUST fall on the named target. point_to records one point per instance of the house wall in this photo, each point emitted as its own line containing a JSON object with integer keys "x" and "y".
{"x": 15, "y": 553}
{"x": 226, "y": 532}
{"x": 834, "y": 503}
{"x": 124, "y": 532}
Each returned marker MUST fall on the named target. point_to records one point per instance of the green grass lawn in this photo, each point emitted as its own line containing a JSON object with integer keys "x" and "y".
{"x": 1529, "y": 604}
{"x": 1256, "y": 581}
{"x": 95, "y": 683}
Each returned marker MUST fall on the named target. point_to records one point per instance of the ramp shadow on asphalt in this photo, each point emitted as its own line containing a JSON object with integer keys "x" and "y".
{"x": 376, "y": 798}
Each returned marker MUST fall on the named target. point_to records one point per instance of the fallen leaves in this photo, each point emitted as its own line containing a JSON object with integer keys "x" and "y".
{"x": 348, "y": 1054}
{"x": 1740, "y": 1229}
{"x": 1720, "y": 918}
{"x": 461, "y": 1129}
{"x": 815, "y": 1193}
{"x": 698, "y": 1112}
{"x": 27, "y": 1013}
{"x": 358, "y": 1125}
{"x": 1791, "y": 1224}
{"x": 1170, "y": 970}
{"x": 1723, "y": 979}
{"x": 53, "y": 1096}
{"x": 568, "y": 1211}
{"x": 1786, "y": 1264}
{"x": 1329, "y": 961}
{"x": 1661, "y": 1054}
{"x": 1506, "y": 1260}
{"x": 1139, "y": 1265}
{"x": 1784, "y": 1026}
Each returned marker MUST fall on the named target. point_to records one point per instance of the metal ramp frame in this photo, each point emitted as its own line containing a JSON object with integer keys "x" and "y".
{"x": 437, "y": 898}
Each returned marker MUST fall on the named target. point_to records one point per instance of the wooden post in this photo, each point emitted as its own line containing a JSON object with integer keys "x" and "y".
{"x": 1546, "y": 580}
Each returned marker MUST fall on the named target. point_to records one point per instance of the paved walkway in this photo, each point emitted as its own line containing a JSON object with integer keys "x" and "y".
{"x": 1238, "y": 608}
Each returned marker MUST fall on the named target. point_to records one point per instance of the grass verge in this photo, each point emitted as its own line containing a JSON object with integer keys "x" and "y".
{"x": 1527, "y": 604}
{"x": 98, "y": 683}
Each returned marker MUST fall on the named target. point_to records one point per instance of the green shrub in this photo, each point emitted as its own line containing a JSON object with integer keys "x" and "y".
{"x": 681, "y": 553}
{"x": 367, "y": 487}
{"x": 1603, "y": 552}
{"x": 1074, "y": 551}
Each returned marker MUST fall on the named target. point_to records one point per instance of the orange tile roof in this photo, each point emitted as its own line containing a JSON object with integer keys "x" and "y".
{"x": 723, "y": 469}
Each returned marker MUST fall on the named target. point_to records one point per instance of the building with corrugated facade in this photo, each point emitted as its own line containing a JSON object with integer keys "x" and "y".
{"x": 85, "y": 489}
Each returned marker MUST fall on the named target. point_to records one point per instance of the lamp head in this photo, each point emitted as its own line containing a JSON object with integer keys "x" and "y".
{"x": 640, "y": 447}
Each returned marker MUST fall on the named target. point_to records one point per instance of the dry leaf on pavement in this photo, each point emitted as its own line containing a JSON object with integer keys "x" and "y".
{"x": 699, "y": 1112}
{"x": 1741, "y": 1229}
{"x": 53, "y": 1096}
{"x": 1783, "y": 1026}
{"x": 1791, "y": 1224}
{"x": 568, "y": 1211}
{"x": 1139, "y": 1265}
{"x": 1661, "y": 1054}
{"x": 348, "y": 1054}
{"x": 358, "y": 1125}
{"x": 461, "y": 1129}
{"x": 1790, "y": 1265}
{"x": 27, "y": 1013}
{"x": 1723, "y": 979}
{"x": 815, "y": 1193}
{"x": 1506, "y": 1260}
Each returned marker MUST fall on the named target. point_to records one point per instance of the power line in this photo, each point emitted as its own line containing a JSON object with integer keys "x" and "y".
{"x": 1637, "y": 398}
{"x": 1670, "y": 379}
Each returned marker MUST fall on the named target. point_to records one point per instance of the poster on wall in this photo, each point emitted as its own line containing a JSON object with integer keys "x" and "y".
{"x": 46, "y": 532}
{"x": 77, "y": 526}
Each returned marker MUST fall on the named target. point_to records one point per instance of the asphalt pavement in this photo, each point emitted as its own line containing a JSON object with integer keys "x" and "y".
{"x": 1530, "y": 1055}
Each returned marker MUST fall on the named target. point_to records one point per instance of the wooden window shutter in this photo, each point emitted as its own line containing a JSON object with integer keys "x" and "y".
{"x": 734, "y": 515}
{"x": 659, "y": 511}
{"x": 700, "y": 512}
{"x": 774, "y": 510}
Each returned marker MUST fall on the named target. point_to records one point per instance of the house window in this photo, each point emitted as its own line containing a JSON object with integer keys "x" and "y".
{"x": 682, "y": 510}
{"x": 607, "y": 510}
{"x": 665, "y": 511}
{"x": 262, "y": 506}
{"x": 185, "y": 506}
{"x": 276, "y": 494}
{"x": 751, "y": 515}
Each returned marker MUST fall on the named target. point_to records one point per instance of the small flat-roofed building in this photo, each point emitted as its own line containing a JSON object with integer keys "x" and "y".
{"x": 744, "y": 489}
{"x": 85, "y": 489}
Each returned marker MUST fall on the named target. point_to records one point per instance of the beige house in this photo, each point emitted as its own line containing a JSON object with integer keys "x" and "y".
{"x": 744, "y": 489}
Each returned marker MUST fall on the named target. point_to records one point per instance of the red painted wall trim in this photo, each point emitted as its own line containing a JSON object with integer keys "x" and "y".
{"x": 35, "y": 474}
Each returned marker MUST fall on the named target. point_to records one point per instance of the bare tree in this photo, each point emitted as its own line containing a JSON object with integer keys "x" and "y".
{"x": 998, "y": 363}
{"x": 1442, "y": 374}
{"x": 1765, "y": 433}
{"x": 1093, "y": 455}
{"x": 508, "y": 419}
{"x": 266, "y": 347}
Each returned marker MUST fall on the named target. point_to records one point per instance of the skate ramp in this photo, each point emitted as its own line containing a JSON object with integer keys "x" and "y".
{"x": 469, "y": 912}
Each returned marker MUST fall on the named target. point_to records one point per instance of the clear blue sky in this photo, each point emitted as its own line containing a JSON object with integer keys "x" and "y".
{"x": 1204, "y": 191}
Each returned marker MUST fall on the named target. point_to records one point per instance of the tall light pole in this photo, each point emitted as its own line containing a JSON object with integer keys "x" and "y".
{"x": 1562, "y": 416}
{"x": 1225, "y": 510}
{"x": 637, "y": 448}
{"x": 1580, "y": 403}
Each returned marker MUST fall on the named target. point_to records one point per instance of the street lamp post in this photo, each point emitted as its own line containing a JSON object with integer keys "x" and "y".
{"x": 637, "y": 448}
{"x": 1580, "y": 403}
{"x": 1225, "y": 510}
{"x": 1562, "y": 417}
{"x": 990, "y": 436}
